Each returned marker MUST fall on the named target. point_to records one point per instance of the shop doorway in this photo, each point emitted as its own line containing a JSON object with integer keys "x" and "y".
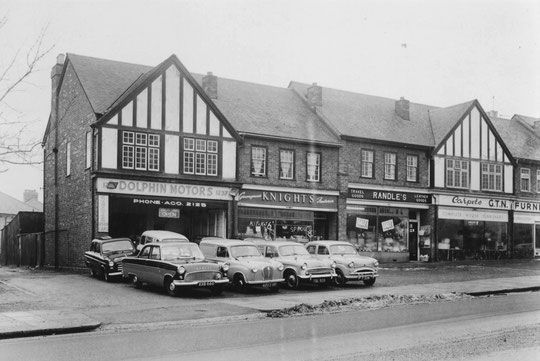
{"x": 537, "y": 240}
{"x": 413, "y": 240}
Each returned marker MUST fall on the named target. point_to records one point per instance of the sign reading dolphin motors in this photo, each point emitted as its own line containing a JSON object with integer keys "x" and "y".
{"x": 290, "y": 200}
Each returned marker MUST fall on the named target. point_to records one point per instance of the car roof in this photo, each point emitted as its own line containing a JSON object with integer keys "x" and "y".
{"x": 327, "y": 242}
{"x": 226, "y": 242}
{"x": 163, "y": 234}
{"x": 280, "y": 243}
{"x": 105, "y": 240}
{"x": 166, "y": 244}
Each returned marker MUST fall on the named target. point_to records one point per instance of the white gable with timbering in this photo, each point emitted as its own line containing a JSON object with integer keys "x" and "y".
{"x": 172, "y": 111}
{"x": 473, "y": 157}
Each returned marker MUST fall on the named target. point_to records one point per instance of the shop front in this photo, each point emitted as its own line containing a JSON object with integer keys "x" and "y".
{"x": 526, "y": 235}
{"x": 126, "y": 208}
{"x": 276, "y": 213}
{"x": 471, "y": 227}
{"x": 386, "y": 223}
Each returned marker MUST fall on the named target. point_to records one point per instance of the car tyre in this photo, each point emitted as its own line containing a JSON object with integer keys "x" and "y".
{"x": 239, "y": 283}
{"x": 291, "y": 280}
{"x": 340, "y": 279}
{"x": 370, "y": 281}
{"x": 170, "y": 287}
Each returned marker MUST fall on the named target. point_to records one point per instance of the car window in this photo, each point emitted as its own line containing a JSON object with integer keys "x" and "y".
{"x": 145, "y": 252}
{"x": 271, "y": 251}
{"x": 209, "y": 250}
{"x": 98, "y": 248}
{"x": 293, "y": 250}
{"x": 245, "y": 251}
{"x": 322, "y": 250}
{"x": 93, "y": 247}
{"x": 143, "y": 240}
{"x": 222, "y": 252}
{"x": 343, "y": 249}
{"x": 155, "y": 253}
{"x": 117, "y": 246}
{"x": 311, "y": 249}
{"x": 176, "y": 251}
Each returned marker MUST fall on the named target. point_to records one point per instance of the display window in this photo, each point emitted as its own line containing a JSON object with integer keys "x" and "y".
{"x": 523, "y": 240}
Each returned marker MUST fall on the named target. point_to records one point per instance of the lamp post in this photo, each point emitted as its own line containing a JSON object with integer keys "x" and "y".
{"x": 234, "y": 193}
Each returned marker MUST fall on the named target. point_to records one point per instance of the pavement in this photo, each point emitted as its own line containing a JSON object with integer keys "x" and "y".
{"x": 39, "y": 322}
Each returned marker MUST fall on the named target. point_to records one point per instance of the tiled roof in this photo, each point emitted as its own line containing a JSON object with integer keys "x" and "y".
{"x": 372, "y": 117}
{"x": 519, "y": 139}
{"x": 444, "y": 119}
{"x": 10, "y": 205}
{"x": 271, "y": 111}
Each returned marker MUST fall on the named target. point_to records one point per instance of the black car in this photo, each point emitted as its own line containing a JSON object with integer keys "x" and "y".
{"x": 105, "y": 256}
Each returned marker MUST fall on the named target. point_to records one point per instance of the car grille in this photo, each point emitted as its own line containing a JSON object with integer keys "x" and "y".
{"x": 200, "y": 276}
{"x": 364, "y": 272}
{"x": 267, "y": 273}
{"x": 319, "y": 271}
{"x": 119, "y": 266}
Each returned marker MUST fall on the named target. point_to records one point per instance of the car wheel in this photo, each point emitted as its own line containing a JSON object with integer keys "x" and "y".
{"x": 340, "y": 279}
{"x": 135, "y": 281}
{"x": 369, "y": 281}
{"x": 216, "y": 290}
{"x": 239, "y": 283}
{"x": 170, "y": 287}
{"x": 291, "y": 280}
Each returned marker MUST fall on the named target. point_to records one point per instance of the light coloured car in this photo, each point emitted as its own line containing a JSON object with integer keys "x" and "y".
{"x": 299, "y": 265}
{"x": 350, "y": 266}
{"x": 247, "y": 266}
{"x": 160, "y": 236}
{"x": 173, "y": 266}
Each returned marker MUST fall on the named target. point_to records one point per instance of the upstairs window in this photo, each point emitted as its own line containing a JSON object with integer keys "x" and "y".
{"x": 390, "y": 166}
{"x": 412, "y": 168}
{"x": 313, "y": 167}
{"x": 492, "y": 176}
{"x": 367, "y": 164}
{"x": 258, "y": 162}
{"x": 140, "y": 151}
{"x": 457, "y": 173}
{"x": 200, "y": 157}
{"x": 286, "y": 164}
{"x": 525, "y": 180}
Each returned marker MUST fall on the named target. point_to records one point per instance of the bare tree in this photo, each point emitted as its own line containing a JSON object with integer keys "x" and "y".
{"x": 16, "y": 146}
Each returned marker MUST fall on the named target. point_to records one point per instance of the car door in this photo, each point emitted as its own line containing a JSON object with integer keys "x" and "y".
{"x": 140, "y": 266}
{"x": 155, "y": 272}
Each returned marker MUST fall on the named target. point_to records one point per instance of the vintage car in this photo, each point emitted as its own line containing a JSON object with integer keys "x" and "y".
{"x": 105, "y": 256}
{"x": 350, "y": 266}
{"x": 299, "y": 265}
{"x": 160, "y": 236}
{"x": 247, "y": 266}
{"x": 175, "y": 265}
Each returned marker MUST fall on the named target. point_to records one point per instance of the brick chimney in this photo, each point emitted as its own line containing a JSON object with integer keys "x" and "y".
{"x": 209, "y": 84}
{"x": 314, "y": 95}
{"x": 402, "y": 108}
{"x": 55, "y": 79}
{"x": 493, "y": 113}
{"x": 30, "y": 194}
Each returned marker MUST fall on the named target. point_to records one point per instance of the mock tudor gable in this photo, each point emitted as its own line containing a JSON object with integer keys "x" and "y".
{"x": 165, "y": 123}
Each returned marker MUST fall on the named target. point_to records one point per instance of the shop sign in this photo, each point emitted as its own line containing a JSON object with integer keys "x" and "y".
{"x": 161, "y": 189}
{"x": 169, "y": 213}
{"x": 290, "y": 200}
{"x": 390, "y": 196}
{"x": 362, "y": 223}
{"x": 527, "y": 206}
{"x": 103, "y": 213}
{"x": 387, "y": 225}
{"x": 473, "y": 202}
{"x": 472, "y": 215}
{"x": 168, "y": 202}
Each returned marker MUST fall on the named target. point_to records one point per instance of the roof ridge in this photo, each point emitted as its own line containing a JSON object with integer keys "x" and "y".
{"x": 107, "y": 60}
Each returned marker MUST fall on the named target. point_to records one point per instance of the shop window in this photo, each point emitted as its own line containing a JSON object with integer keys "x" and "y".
{"x": 390, "y": 166}
{"x": 258, "y": 161}
{"x": 140, "y": 151}
{"x": 523, "y": 240}
{"x": 457, "y": 173}
{"x": 412, "y": 168}
{"x": 200, "y": 156}
{"x": 313, "y": 167}
{"x": 525, "y": 180}
{"x": 286, "y": 164}
{"x": 367, "y": 163}
{"x": 492, "y": 177}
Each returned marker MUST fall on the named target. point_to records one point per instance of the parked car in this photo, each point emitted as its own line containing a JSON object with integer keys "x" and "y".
{"x": 299, "y": 265}
{"x": 350, "y": 266}
{"x": 160, "y": 236}
{"x": 105, "y": 256}
{"x": 174, "y": 265}
{"x": 248, "y": 267}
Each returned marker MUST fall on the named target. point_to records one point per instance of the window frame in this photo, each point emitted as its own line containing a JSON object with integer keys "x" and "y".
{"x": 416, "y": 168}
{"x": 264, "y": 173}
{"x": 528, "y": 178}
{"x": 489, "y": 173}
{"x": 467, "y": 173}
{"x": 362, "y": 162}
{"x": 319, "y": 165}
{"x": 293, "y": 164}
{"x": 394, "y": 165}
{"x": 141, "y": 151}
{"x": 197, "y": 156}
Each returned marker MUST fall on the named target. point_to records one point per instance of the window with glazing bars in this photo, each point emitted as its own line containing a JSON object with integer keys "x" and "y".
{"x": 200, "y": 157}
{"x": 313, "y": 167}
{"x": 457, "y": 173}
{"x": 258, "y": 161}
{"x": 390, "y": 166}
{"x": 140, "y": 151}
{"x": 286, "y": 164}
{"x": 367, "y": 164}
{"x": 525, "y": 180}
{"x": 492, "y": 176}
{"x": 412, "y": 168}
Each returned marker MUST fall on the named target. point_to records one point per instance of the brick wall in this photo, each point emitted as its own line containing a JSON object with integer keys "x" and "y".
{"x": 534, "y": 168}
{"x": 74, "y": 191}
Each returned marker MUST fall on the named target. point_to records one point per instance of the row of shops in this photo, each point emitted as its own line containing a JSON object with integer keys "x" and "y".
{"x": 391, "y": 224}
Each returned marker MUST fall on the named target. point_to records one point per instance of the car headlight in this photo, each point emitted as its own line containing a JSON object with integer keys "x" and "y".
{"x": 334, "y": 265}
{"x": 351, "y": 265}
{"x": 254, "y": 270}
{"x": 218, "y": 276}
{"x": 181, "y": 270}
{"x": 304, "y": 266}
{"x": 376, "y": 264}
{"x": 111, "y": 264}
{"x": 225, "y": 267}
{"x": 280, "y": 267}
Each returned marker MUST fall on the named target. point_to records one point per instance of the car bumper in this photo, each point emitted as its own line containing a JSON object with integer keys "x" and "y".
{"x": 320, "y": 276}
{"x": 362, "y": 274}
{"x": 209, "y": 283}
{"x": 262, "y": 282}
{"x": 114, "y": 274}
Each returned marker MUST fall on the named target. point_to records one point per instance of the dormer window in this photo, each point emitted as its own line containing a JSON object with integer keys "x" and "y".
{"x": 457, "y": 173}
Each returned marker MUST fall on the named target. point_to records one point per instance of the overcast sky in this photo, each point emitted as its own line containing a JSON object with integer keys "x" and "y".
{"x": 438, "y": 53}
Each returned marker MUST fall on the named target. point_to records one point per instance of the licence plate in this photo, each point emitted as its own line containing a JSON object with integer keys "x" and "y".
{"x": 204, "y": 284}
{"x": 267, "y": 285}
{"x": 319, "y": 280}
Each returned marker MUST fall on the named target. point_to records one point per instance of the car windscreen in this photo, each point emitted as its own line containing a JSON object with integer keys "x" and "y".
{"x": 245, "y": 251}
{"x": 342, "y": 249}
{"x": 174, "y": 240}
{"x": 117, "y": 246}
{"x": 177, "y": 251}
{"x": 293, "y": 250}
